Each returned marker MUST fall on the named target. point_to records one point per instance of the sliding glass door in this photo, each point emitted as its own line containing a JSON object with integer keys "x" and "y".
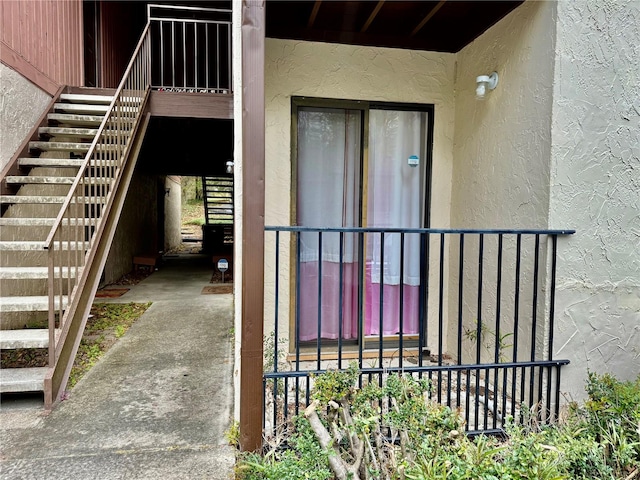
{"x": 361, "y": 167}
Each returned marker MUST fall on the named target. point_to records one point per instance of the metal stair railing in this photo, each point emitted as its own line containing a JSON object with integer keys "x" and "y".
{"x": 80, "y": 224}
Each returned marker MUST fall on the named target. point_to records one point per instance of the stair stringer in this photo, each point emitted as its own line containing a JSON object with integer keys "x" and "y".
{"x": 77, "y": 313}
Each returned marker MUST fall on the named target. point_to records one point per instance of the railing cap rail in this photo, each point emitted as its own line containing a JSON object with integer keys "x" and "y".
{"x": 293, "y": 228}
{"x": 184, "y": 7}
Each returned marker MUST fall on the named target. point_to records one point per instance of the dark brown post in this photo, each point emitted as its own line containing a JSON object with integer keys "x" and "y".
{"x": 253, "y": 28}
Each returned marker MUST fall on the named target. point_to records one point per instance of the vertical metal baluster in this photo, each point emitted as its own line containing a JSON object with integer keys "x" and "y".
{"x": 516, "y": 325}
{"x": 195, "y": 47}
{"x": 441, "y": 315}
{"x": 319, "y": 337}
{"x": 229, "y": 77}
{"x": 552, "y": 308}
{"x": 401, "y": 313}
{"x": 206, "y": 55}
{"x": 498, "y": 345}
{"x": 217, "y": 58}
{"x": 277, "y": 296}
{"x": 173, "y": 54}
{"x": 424, "y": 327}
{"x": 341, "y": 300}
{"x": 460, "y": 315}
{"x": 479, "y": 324}
{"x": 285, "y": 410}
{"x": 360, "y": 300}
{"x": 381, "y": 306}
{"x": 298, "y": 299}
{"x": 534, "y": 314}
{"x": 184, "y": 55}
{"x": 161, "y": 54}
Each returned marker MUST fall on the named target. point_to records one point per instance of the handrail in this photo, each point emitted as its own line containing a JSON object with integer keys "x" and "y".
{"x": 294, "y": 228}
{"x": 79, "y": 222}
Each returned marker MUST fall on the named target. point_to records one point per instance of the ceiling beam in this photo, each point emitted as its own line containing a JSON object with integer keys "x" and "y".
{"x": 314, "y": 13}
{"x": 424, "y": 21}
{"x": 372, "y": 16}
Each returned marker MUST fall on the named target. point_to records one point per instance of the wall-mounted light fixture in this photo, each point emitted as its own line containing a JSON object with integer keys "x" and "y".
{"x": 167, "y": 191}
{"x": 229, "y": 166}
{"x": 486, "y": 82}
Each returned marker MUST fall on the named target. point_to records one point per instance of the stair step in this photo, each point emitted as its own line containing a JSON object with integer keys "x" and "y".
{"x": 86, "y": 98}
{"x": 14, "y": 380}
{"x": 50, "y": 162}
{"x": 31, "y": 179}
{"x": 68, "y": 132}
{"x": 81, "y": 108}
{"x": 34, "y": 273}
{"x": 40, "y": 222}
{"x": 35, "y": 246}
{"x": 22, "y": 179}
{"x": 25, "y": 338}
{"x": 59, "y": 146}
{"x": 67, "y": 118}
{"x": 39, "y": 199}
{"x": 39, "y": 303}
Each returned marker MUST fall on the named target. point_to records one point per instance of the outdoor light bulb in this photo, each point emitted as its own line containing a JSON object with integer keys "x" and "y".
{"x": 481, "y": 90}
{"x": 229, "y": 167}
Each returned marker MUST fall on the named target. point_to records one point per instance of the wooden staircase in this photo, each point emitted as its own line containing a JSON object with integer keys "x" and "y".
{"x": 31, "y": 201}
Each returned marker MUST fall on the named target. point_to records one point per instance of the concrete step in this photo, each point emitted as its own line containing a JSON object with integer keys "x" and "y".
{"x": 15, "y": 380}
{"x": 68, "y": 132}
{"x": 41, "y": 222}
{"x": 50, "y": 162}
{"x": 81, "y": 108}
{"x": 13, "y": 199}
{"x": 35, "y": 273}
{"x": 22, "y": 179}
{"x": 76, "y": 120}
{"x": 25, "y": 338}
{"x": 86, "y": 98}
{"x": 35, "y": 246}
{"x": 37, "y": 303}
{"x": 60, "y": 146}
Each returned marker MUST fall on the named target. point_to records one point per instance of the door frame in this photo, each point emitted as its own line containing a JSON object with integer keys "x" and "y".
{"x": 365, "y": 106}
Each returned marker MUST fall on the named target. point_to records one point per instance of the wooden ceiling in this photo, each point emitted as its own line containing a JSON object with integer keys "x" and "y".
{"x": 442, "y": 26}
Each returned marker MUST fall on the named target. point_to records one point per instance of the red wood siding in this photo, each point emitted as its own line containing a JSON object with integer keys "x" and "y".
{"x": 43, "y": 38}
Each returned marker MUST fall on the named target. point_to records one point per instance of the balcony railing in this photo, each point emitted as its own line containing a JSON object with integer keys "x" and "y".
{"x": 190, "y": 48}
{"x": 470, "y": 310}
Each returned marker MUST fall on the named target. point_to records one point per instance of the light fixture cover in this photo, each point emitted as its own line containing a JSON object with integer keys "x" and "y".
{"x": 486, "y": 82}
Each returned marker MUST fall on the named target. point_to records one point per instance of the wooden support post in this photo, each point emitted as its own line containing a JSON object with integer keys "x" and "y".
{"x": 253, "y": 169}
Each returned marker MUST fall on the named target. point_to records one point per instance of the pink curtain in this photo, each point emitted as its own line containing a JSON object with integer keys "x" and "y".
{"x": 329, "y": 319}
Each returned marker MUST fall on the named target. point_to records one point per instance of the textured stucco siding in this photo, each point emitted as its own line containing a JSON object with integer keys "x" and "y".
{"x": 295, "y": 68}
{"x": 21, "y": 104}
{"x": 595, "y": 187}
{"x": 501, "y": 172}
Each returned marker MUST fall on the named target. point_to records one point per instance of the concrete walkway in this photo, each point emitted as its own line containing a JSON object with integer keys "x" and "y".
{"x": 155, "y": 406}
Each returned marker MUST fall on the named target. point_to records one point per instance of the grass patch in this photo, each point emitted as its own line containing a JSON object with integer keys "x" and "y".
{"x": 109, "y": 322}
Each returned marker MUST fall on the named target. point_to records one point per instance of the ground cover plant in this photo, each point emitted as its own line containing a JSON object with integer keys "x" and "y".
{"x": 106, "y": 324}
{"x": 340, "y": 436}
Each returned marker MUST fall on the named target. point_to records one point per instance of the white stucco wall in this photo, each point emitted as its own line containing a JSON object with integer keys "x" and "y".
{"x": 502, "y": 143}
{"x": 21, "y": 104}
{"x": 295, "y": 68}
{"x": 595, "y": 187}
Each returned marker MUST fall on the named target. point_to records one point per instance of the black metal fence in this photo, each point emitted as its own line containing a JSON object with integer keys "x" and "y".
{"x": 470, "y": 310}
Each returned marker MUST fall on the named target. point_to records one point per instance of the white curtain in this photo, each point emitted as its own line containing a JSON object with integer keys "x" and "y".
{"x": 328, "y": 196}
{"x": 395, "y": 198}
{"x": 328, "y": 179}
